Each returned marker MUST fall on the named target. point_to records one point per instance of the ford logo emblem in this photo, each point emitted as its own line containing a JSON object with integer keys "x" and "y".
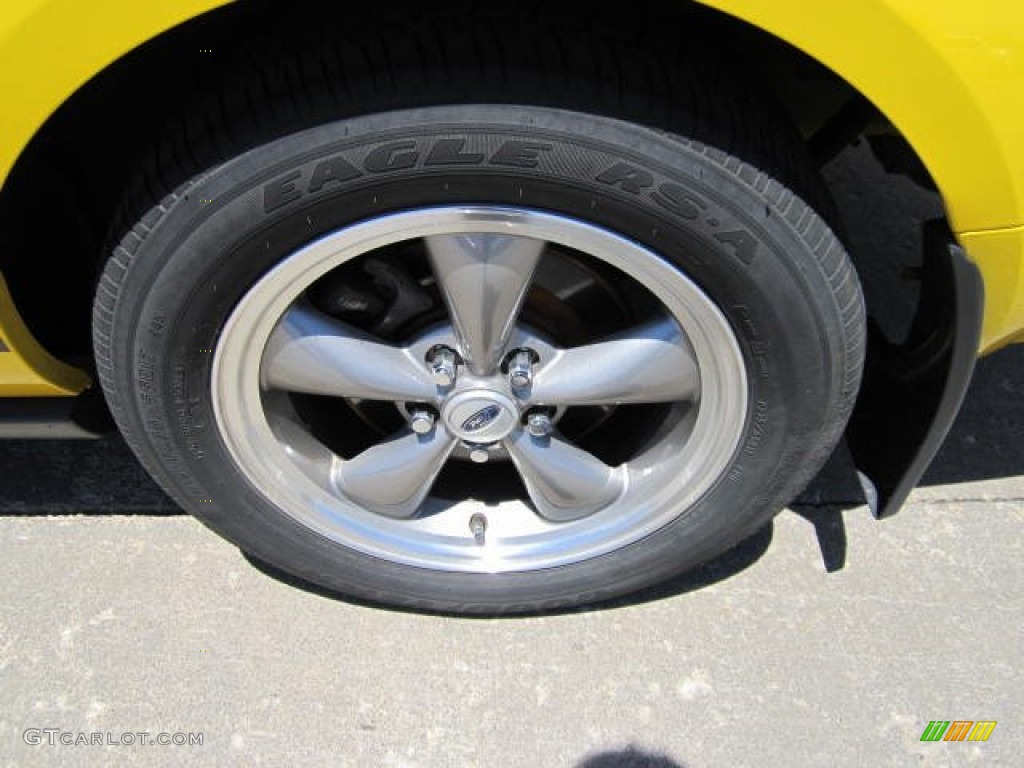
{"x": 481, "y": 418}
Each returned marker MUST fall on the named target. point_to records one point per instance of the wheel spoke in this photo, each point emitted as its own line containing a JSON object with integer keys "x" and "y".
{"x": 651, "y": 363}
{"x": 312, "y": 353}
{"x": 564, "y": 482}
{"x": 484, "y": 279}
{"x": 314, "y": 458}
{"x": 393, "y": 477}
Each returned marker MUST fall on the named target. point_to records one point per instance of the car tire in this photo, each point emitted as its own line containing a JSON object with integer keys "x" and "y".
{"x": 655, "y": 340}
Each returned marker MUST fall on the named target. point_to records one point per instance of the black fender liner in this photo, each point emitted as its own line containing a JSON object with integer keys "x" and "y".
{"x": 912, "y": 391}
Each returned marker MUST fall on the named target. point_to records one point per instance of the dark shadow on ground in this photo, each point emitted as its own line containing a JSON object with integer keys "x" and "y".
{"x": 77, "y": 477}
{"x": 630, "y": 757}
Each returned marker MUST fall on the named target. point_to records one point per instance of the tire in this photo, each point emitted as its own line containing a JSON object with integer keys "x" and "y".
{"x": 723, "y": 324}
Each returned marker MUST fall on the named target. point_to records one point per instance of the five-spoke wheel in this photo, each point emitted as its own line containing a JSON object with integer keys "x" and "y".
{"x": 482, "y": 384}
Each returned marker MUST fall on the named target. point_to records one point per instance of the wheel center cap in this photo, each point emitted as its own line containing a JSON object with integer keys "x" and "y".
{"x": 480, "y": 415}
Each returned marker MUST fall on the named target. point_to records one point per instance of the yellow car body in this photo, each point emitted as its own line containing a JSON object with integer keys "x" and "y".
{"x": 948, "y": 75}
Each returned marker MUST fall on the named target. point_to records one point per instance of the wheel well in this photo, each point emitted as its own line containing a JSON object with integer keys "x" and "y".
{"x": 81, "y": 162}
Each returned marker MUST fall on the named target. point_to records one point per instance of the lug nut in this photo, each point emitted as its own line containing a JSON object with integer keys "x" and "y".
{"x": 479, "y": 454}
{"x": 478, "y": 527}
{"x": 421, "y": 421}
{"x": 520, "y": 369}
{"x": 443, "y": 366}
{"x": 539, "y": 424}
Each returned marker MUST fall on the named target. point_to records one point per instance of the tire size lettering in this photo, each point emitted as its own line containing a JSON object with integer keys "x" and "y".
{"x": 758, "y": 427}
{"x": 145, "y": 376}
{"x": 186, "y": 408}
{"x": 760, "y": 348}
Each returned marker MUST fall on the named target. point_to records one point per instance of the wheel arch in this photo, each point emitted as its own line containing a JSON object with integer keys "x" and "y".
{"x": 49, "y": 49}
{"x": 930, "y": 68}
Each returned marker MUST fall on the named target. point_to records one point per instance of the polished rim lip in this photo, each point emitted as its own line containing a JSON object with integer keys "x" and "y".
{"x": 700, "y": 459}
